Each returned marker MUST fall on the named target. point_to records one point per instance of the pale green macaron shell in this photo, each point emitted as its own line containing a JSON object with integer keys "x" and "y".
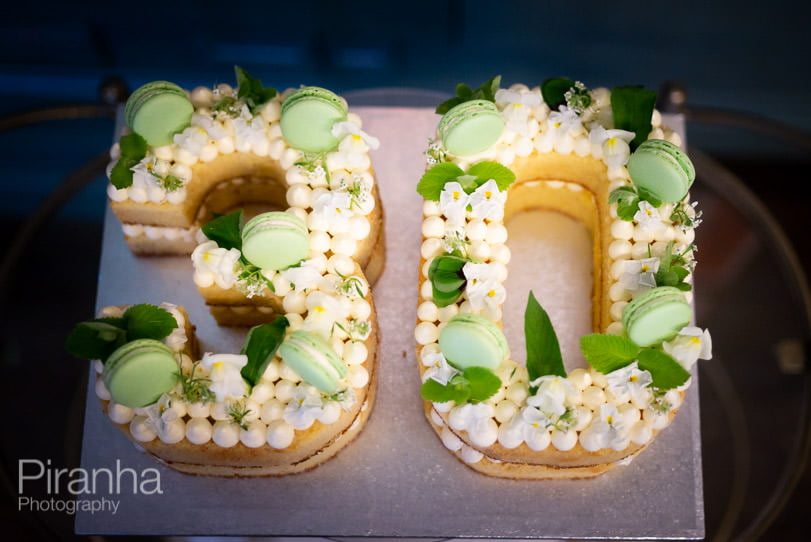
{"x": 471, "y": 127}
{"x": 275, "y": 240}
{"x": 308, "y": 115}
{"x": 314, "y": 360}
{"x": 139, "y": 372}
{"x": 469, "y": 340}
{"x": 663, "y": 169}
{"x": 656, "y": 316}
{"x": 157, "y": 111}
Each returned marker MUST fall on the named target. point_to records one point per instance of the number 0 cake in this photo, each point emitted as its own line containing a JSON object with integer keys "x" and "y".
{"x": 603, "y": 158}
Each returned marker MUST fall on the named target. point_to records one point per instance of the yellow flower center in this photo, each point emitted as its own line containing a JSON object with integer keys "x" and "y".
{"x": 338, "y": 210}
{"x": 634, "y": 378}
{"x": 695, "y": 340}
{"x": 456, "y": 194}
{"x": 645, "y": 268}
{"x": 356, "y": 137}
{"x": 199, "y": 129}
{"x": 488, "y": 194}
{"x": 649, "y": 212}
{"x": 491, "y": 293}
{"x": 218, "y": 365}
{"x": 535, "y": 424}
{"x": 557, "y": 125}
{"x": 610, "y": 419}
{"x": 206, "y": 256}
{"x": 320, "y": 309}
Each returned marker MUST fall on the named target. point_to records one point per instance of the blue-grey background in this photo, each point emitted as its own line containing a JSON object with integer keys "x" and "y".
{"x": 739, "y": 55}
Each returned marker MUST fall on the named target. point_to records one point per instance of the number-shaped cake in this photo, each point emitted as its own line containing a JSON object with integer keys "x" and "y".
{"x": 603, "y": 158}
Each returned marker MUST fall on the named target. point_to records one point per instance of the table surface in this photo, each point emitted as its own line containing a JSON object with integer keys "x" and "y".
{"x": 396, "y": 479}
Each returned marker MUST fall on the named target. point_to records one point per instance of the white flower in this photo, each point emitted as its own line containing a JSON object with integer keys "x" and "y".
{"x": 454, "y": 241}
{"x": 690, "y": 345}
{"x": 614, "y": 144}
{"x": 224, "y": 372}
{"x": 213, "y": 264}
{"x": 353, "y": 139}
{"x": 142, "y": 173}
{"x": 335, "y": 208}
{"x": 551, "y": 394}
{"x": 249, "y": 134}
{"x": 305, "y": 276}
{"x": 483, "y": 288}
{"x": 453, "y": 202}
{"x": 161, "y": 414}
{"x": 323, "y": 310}
{"x": 639, "y": 274}
{"x": 214, "y": 129}
{"x": 565, "y": 121}
{"x": 609, "y": 426}
{"x": 534, "y": 421}
{"x": 304, "y": 407}
{"x": 439, "y": 369}
{"x": 192, "y": 139}
{"x": 648, "y": 218}
{"x": 629, "y": 380}
{"x": 475, "y": 418}
{"x": 517, "y": 108}
{"x": 488, "y": 202}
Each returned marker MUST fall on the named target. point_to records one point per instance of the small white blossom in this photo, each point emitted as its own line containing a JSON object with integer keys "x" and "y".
{"x": 453, "y": 202}
{"x": 304, "y": 407}
{"x": 336, "y": 208}
{"x": 353, "y": 139}
{"x": 438, "y": 368}
{"x": 648, "y": 218}
{"x": 454, "y": 241}
{"x": 160, "y": 414}
{"x": 639, "y": 274}
{"x": 142, "y": 173}
{"x": 305, "y": 276}
{"x": 517, "y": 108}
{"x": 483, "y": 288}
{"x": 629, "y": 380}
{"x": 249, "y": 133}
{"x": 214, "y": 129}
{"x": 193, "y": 139}
{"x": 360, "y": 193}
{"x": 565, "y": 121}
{"x": 224, "y": 372}
{"x": 323, "y": 310}
{"x": 690, "y": 345}
{"x": 487, "y": 201}
{"x": 614, "y": 144}
{"x": 551, "y": 395}
{"x": 475, "y": 418}
{"x": 609, "y": 426}
{"x": 214, "y": 265}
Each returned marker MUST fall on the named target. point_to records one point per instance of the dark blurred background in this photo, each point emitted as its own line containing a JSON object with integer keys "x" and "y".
{"x": 727, "y": 55}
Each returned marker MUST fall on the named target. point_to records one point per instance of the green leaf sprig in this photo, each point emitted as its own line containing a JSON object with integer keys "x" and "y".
{"x": 608, "y": 353}
{"x": 195, "y": 389}
{"x": 433, "y": 181}
{"x": 487, "y": 91}
{"x": 252, "y": 91}
{"x": 543, "y": 350}
{"x": 237, "y": 411}
{"x": 554, "y": 91}
{"x": 100, "y": 337}
{"x": 447, "y": 279}
{"x": 673, "y": 269}
{"x": 133, "y": 149}
{"x": 474, "y": 385}
{"x": 632, "y": 107}
{"x": 260, "y": 346}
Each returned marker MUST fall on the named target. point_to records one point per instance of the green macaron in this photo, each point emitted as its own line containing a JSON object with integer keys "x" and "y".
{"x": 308, "y": 115}
{"x": 656, "y": 316}
{"x": 469, "y": 340}
{"x": 157, "y": 111}
{"x": 314, "y": 360}
{"x": 275, "y": 240}
{"x": 662, "y": 169}
{"x": 139, "y": 372}
{"x": 471, "y": 127}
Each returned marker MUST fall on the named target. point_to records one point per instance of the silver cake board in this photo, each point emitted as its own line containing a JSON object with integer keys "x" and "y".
{"x": 396, "y": 479}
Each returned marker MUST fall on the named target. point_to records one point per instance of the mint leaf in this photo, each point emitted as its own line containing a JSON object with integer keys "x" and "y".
{"x": 457, "y": 390}
{"x": 483, "y": 383}
{"x": 487, "y": 91}
{"x": 133, "y": 146}
{"x": 260, "y": 347}
{"x": 607, "y": 353}
{"x": 623, "y": 194}
{"x": 146, "y": 321}
{"x": 484, "y": 171}
{"x": 226, "y": 230}
{"x": 632, "y": 107}
{"x": 554, "y": 91}
{"x": 121, "y": 175}
{"x": 543, "y": 350}
{"x": 447, "y": 279}
{"x": 666, "y": 371}
{"x": 96, "y": 339}
{"x": 443, "y": 299}
{"x": 433, "y": 181}
{"x": 251, "y": 90}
